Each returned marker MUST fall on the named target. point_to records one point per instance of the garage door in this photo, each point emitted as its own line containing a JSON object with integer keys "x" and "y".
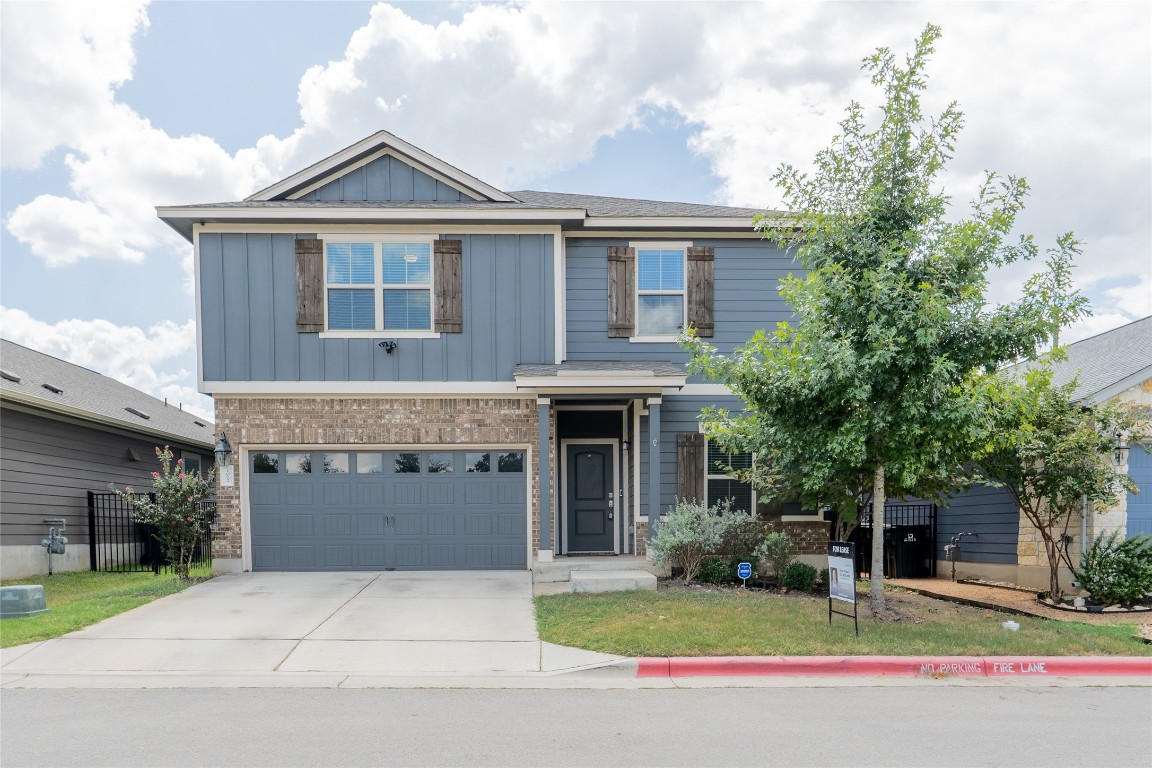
{"x": 380, "y": 510}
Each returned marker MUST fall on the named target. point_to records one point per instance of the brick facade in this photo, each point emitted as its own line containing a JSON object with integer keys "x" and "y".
{"x": 368, "y": 421}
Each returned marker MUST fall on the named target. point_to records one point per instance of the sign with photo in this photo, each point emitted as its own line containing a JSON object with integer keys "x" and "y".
{"x": 842, "y": 571}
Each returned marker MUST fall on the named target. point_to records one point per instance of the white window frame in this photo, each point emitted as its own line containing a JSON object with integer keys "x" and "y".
{"x": 683, "y": 247}
{"x": 185, "y": 455}
{"x": 378, "y": 287}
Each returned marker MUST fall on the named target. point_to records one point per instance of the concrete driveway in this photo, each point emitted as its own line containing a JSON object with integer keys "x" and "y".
{"x": 392, "y": 623}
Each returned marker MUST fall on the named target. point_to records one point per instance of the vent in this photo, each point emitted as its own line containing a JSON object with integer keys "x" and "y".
{"x": 9, "y": 376}
{"x": 137, "y": 412}
{"x": 53, "y": 388}
{"x": 199, "y": 423}
{"x": 132, "y": 455}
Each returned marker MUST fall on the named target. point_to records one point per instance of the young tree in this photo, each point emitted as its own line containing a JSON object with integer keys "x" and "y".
{"x": 891, "y": 323}
{"x": 1051, "y": 453}
{"x": 176, "y": 514}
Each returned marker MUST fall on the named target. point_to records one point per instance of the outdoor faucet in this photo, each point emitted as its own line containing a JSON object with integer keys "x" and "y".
{"x": 952, "y": 549}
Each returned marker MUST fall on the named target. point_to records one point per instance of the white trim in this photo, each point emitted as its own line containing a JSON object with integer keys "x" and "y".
{"x": 589, "y": 384}
{"x": 653, "y": 401}
{"x": 655, "y": 222}
{"x": 813, "y": 518}
{"x": 199, "y": 309}
{"x": 322, "y": 230}
{"x": 591, "y": 407}
{"x": 386, "y": 152}
{"x": 380, "y": 138}
{"x": 1123, "y": 385}
{"x": 377, "y": 334}
{"x": 366, "y": 388}
{"x": 378, "y": 286}
{"x": 752, "y": 234}
{"x": 560, "y": 296}
{"x": 562, "y": 486}
{"x": 649, "y": 245}
{"x": 625, "y": 496}
{"x": 705, "y": 389}
{"x": 345, "y": 213}
{"x": 651, "y": 339}
{"x": 637, "y": 518}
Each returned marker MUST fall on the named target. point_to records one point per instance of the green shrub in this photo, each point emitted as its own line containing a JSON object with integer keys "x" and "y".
{"x": 799, "y": 576}
{"x": 687, "y": 534}
{"x": 714, "y": 570}
{"x": 742, "y": 534}
{"x": 1116, "y": 570}
{"x": 776, "y": 549}
{"x": 822, "y": 579}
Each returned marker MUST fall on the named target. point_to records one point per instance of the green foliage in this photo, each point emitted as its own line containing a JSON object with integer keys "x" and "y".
{"x": 1050, "y": 452}
{"x": 743, "y": 533}
{"x": 687, "y": 534}
{"x": 713, "y": 570}
{"x": 176, "y": 514}
{"x": 1116, "y": 570}
{"x": 777, "y": 551}
{"x": 799, "y": 576}
{"x": 872, "y": 385}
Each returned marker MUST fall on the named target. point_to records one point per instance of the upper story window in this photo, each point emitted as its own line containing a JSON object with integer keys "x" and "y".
{"x": 660, "y": 289}
{"x": 379, "y": 285}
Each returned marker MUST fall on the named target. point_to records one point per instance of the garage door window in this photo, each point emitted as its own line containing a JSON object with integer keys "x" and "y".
{"x": 440, "y": 463}
{"x": 511, "y": 462}
{"x": 477, "y": 462}
{"x": 335, "y": 463}
{"x": 407, "y": 463}
{"x": 266, "y": 463}
{"x": 298, "y": 463}
{"x": 370, "y": 463}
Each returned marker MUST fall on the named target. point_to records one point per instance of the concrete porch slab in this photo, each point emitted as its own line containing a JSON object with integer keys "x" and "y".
{"x": 612, "y": 581}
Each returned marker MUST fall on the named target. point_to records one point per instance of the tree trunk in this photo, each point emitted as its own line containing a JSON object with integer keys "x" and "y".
{"x": 1052, "y": 548}
{"x": 876, "y": 593}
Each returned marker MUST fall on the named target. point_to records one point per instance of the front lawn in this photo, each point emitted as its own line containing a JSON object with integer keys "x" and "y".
{"x": 733, "y": 622}
{"x": 79, "y": 598}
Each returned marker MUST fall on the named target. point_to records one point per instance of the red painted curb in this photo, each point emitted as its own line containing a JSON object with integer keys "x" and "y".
{"x": 906, "y": 666}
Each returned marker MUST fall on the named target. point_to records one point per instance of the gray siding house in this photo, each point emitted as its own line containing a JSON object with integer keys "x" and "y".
{"x": 416, "y": 370}
{"x": 64, "y": 431}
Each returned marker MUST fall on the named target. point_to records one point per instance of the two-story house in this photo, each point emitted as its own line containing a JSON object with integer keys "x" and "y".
{"x": 417, "y": 370}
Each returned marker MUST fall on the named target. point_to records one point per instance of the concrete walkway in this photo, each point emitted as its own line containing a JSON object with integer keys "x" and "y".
{"x": 315, "y": 625}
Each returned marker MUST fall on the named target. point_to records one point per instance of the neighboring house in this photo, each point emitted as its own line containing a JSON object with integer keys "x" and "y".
{"x": 1115, "y": 365}
{"x": 416, "y": 370}
{"x": 65, "y": 431}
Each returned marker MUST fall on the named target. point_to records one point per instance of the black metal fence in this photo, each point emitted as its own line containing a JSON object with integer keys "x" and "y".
{"x": 909, "y": 541}
{"x": 119, "y": 544}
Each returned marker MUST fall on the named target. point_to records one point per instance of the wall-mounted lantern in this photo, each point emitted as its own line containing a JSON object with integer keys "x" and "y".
{"x": 223, "y": 452}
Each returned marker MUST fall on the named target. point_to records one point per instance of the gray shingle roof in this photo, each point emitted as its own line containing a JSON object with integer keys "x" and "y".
{"x": 606, "y": 367}
{"x": 623, "y": 206}
{"x": 87, "y": 393}
{"x": 1105, "y": 361}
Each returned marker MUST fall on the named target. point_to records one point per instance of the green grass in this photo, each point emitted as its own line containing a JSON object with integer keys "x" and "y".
{"x": 77, "y": 599}
{"x": 738, "y": 623}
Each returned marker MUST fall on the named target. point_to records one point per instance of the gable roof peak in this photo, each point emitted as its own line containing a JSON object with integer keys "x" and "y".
{"x": 335, "y": 165}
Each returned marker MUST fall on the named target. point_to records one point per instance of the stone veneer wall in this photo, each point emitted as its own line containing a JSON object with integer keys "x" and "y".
{"x": 368, "y": 421}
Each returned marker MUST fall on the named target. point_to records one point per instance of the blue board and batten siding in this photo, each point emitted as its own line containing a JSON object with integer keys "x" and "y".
{"x": 248, "y": 317}
{"x": 385, "y": 179}
{"x": 992, "y": 514}
{"x": 746, "y": 298}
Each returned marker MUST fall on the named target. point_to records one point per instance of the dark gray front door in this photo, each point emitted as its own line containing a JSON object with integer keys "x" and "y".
{"x": 591, "y": 512}
{"x": 429, "y": 509}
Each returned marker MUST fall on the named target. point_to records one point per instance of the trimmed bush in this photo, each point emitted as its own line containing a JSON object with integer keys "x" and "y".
{"x": 687, "y": 534}
{"x": 776, "y": 550}
{"x": 799, "y": 576}
{"x": 713, "y": 570}
{"x": 1116, "y": 570}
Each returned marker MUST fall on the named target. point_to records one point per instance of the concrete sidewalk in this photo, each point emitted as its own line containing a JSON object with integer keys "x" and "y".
{"x": 260, "y": 624}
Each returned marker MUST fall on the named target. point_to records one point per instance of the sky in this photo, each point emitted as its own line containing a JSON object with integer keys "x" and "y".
{"x": 109, "y": 109}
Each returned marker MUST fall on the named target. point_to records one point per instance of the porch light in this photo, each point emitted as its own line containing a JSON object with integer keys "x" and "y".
{"x": 223, "y": 452}
{"x": 1121, "y": 447}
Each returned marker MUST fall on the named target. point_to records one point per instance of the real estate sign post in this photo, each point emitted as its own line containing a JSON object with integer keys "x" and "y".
{"x": 842, "y": 579}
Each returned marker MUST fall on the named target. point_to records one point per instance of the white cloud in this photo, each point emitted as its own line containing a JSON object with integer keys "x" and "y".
{"x": 157, "y": 360}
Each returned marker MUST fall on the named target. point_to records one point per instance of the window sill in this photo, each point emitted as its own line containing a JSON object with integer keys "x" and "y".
{"x": 652, "y": 339}
{"x": 802, "y": 519}
{"x": 382, "y": 335}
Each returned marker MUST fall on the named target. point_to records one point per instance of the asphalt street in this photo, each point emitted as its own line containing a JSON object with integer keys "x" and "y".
{"x": 929, "y": 725}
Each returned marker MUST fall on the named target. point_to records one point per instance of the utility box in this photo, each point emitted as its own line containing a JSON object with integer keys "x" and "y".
{"x": 22, "y": 600}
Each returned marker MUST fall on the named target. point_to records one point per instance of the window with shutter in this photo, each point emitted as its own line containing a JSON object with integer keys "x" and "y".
{"x": 349, "y": 285}
{"x": 672, "y": 285}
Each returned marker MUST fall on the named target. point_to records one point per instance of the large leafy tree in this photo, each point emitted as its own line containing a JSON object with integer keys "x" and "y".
{"x": 1053, "y": 454}
{"x": 872, "y": 378}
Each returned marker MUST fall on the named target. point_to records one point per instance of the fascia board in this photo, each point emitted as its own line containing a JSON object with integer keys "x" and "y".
{"x": 375, "y": 141}
{"x": 362, "y": 214}
{"x": 96, "y": 418}
{"x": 1125, "y": 383}
{"x": 586, "y": 383}
{"x": 668, "y": 222}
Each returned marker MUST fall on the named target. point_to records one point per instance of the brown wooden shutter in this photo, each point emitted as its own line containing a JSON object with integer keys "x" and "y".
{"x": 309, "y": 286}
{"x": 700, "y": 278}
{"x": 448, "y": 256}
{"x": 691, "y": 454}
{"x": 621, "y": 291}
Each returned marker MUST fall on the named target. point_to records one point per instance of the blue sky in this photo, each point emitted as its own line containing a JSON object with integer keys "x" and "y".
{"x": 113, "y": 108}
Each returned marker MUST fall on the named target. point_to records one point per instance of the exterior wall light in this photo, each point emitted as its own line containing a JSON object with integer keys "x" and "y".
{"x": 223, "y": 451}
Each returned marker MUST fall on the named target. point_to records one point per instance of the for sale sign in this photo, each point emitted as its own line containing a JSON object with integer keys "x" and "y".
{"x": 842, "y": 571}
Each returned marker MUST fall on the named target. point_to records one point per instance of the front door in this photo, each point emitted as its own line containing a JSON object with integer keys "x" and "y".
{"x": 590, "y": 500}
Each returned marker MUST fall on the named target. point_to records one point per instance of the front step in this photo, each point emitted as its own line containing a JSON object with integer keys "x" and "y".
{"x": 561, "y": 568}
{"x": 612, "y": 581}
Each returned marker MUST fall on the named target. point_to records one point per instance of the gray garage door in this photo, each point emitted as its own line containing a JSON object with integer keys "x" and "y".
{"x": 377, "y": 510}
